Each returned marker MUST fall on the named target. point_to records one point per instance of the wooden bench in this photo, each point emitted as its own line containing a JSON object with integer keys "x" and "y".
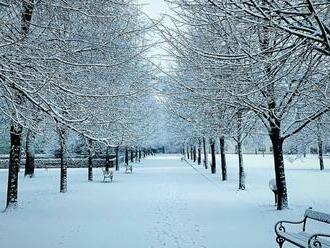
{"x": 303, "y": 239}
{"x": 128, "y": 168}
{"x": 107, "y": 174}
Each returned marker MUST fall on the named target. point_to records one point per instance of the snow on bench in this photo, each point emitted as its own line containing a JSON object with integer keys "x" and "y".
{"x": 107, "y": 174}
{"x": 128, "y": 168}
{"x": 304, "y": 239}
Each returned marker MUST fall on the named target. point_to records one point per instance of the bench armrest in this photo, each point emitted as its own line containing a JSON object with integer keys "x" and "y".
{"x": 279, "y": 227}
{"x": 315, "y": 242}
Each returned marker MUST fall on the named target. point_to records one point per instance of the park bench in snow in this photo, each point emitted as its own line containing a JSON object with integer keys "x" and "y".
{"x": 107, "y": 174}
{"x": 128, "y": 168}
{"x": 304, "y": 239}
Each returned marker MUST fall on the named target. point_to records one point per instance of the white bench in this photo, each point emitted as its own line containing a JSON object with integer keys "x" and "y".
{"x": 128, "y": 168}
{"x": 107, "y": 174}
{"x": 304, "y": 239}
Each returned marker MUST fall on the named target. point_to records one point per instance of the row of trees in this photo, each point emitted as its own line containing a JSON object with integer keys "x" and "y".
{"x": 249, "y": 67}
{"x": 73, "y": 66}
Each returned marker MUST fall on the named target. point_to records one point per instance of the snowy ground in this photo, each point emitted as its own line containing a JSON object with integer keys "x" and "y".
{"x": 164, "y": 203}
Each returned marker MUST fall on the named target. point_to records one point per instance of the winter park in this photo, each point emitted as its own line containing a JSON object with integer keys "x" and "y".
{"x": 165, "y": 123}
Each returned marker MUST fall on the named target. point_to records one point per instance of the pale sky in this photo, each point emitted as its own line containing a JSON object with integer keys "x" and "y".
{"x": 154, "y": 8}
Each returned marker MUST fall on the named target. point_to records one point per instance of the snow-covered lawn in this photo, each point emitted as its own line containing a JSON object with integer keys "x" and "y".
{"x": 164, "y": 203}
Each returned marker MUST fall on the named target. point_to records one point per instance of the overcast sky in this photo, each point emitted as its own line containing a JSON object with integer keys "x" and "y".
{"x": 154, "y": 8}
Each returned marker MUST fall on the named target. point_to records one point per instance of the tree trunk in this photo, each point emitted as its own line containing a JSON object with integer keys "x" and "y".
{"x": 126, "y": 155}
{"x": 90, "y": 160}
{"x": 205, "y": 153}
{"x": 199, "y": 159}
{"x": 241, "y": 185}
{"x": 117, "y": 158}
{"x": 320, "y": 146}
{"x": 188, "y": 154}
{"x": 195, "y": 154}
{"x": 223, "y": 159}
{"x": 191, "y": 153}
{"x": 14, "y": 163}
{"x": 277, "y": 142}
{"x": 132, "y": 155}
{"x": 213, "y": 161}
{"x": 64, "y": 160}
{"x": 265, "y": 39}
{"x": 242, "y": 175}
{"x": 16, "y": 129}
{"x": 29, "y": 162}
{"x": 136, "y": 155}
{"x": 107, "y": 158}
{"x": 90, "y": 166}
{"x": 27, "y": 12}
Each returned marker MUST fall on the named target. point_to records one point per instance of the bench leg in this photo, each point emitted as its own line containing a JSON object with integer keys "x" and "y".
{"x": 280, "y": 241}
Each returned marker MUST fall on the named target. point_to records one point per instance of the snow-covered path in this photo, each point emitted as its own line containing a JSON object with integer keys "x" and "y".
{"x": 164, "y": 203}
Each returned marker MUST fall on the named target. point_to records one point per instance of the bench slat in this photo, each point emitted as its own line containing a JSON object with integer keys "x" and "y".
{"x": 297, "y": 238}
{"x": 319, "y": 216}
{"x": 301, "y": 239}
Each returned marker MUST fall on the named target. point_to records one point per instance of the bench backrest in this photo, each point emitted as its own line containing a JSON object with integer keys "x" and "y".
{"x": 319, "y": 216}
